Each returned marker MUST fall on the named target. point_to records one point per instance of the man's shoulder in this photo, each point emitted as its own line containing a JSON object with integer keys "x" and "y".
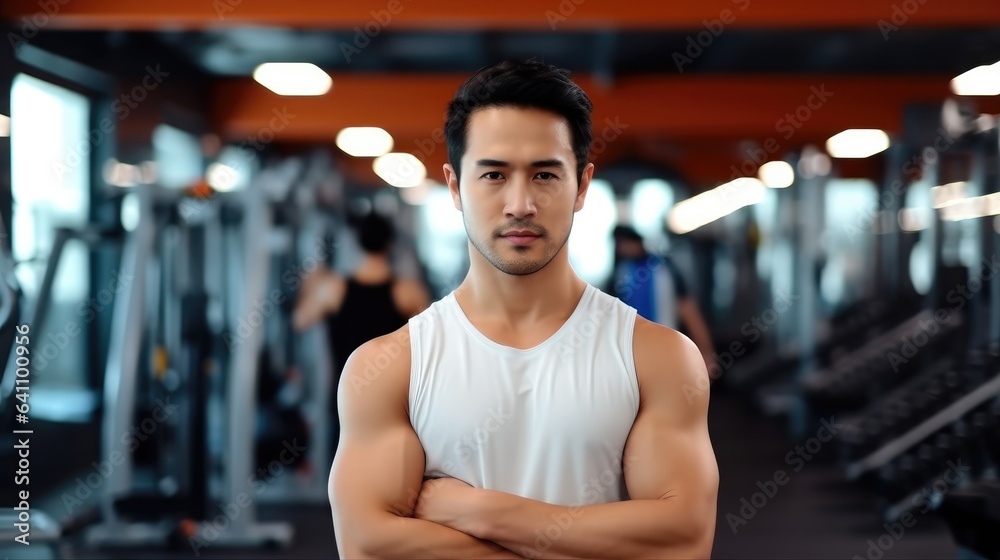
{"x": 665, "y": 359}
{"x": 382, "y": 363}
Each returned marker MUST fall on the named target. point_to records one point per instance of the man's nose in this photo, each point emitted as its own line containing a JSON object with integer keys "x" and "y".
{"x": 521, "y": 201}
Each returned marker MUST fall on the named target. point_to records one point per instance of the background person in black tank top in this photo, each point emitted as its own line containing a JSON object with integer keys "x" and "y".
{"x": 368, "y": 304}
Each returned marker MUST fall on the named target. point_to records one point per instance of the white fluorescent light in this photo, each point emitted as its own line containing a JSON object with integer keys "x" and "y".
{"x": 364, "y": 141}
{"x": 147, "y": 172}
{"x": 120, "y": 174}
{"x": 944, "y": 195}
{"x": 705, "y": 208}
{"x": 293, "y": 78}
{"x": 981, "y": 80}
{"x": 776, "y": 174}
{"x": 971, "y": 208}
{"x": 857, "y": 143}
{"x": 4, "y": 126}
{"x": 914, "y": 219}
{"x": 220, "y": 177}
{"x": 400, "y": 169}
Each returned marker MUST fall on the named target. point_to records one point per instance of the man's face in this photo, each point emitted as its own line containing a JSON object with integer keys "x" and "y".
{"x": 518, "y": 190}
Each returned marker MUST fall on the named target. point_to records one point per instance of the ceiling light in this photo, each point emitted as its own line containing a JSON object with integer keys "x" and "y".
{"x": 220, "y": 177}
{"x": 776, "y": 174}
{"x": 120, "y": 174}
{"x": 981, "y": 80}
{"x": 944, "y": 195}
{"x": 705, "y": 208}
{"x": 400, "y": 169}
{"x": 973, "y": 207}
{"x": 914, "y": 219}
{"x": 857, "y": 143}
{"x": 364, "y": 141}
{"x": 293, "y": 78}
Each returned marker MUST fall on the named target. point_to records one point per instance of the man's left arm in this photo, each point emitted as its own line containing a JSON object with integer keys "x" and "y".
{"x": 670, "y": 471}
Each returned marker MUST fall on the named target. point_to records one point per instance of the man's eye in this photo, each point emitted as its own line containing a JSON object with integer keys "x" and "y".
{"x": 546, "y": 176}
{"x": 493, "y": 176}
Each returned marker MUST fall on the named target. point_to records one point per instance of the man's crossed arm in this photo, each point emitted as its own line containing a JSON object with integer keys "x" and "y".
{"x": 669, "y": 469}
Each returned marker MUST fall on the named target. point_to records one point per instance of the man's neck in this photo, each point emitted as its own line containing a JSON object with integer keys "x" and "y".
{"x": 553, "y": 291}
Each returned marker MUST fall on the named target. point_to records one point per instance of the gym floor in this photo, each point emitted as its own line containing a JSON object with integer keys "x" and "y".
{"x": 814, "y": 515}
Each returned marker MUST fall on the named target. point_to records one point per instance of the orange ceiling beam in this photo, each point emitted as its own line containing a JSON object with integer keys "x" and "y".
{"x": 751, "y": 106}
{"x": 699, "y": 125}
{"x": 511, "y": 14}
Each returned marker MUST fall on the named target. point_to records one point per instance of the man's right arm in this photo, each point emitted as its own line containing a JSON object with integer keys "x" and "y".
{"x": 379, "y": 467}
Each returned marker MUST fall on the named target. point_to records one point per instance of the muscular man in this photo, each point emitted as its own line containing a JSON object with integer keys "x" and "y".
{"x": 526, "y": 414}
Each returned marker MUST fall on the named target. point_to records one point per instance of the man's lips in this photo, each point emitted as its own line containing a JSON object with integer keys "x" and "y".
{"x": 520, "y": 237}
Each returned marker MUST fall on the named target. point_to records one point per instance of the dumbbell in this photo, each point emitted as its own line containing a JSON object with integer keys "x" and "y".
{"x": 954, "y": 384}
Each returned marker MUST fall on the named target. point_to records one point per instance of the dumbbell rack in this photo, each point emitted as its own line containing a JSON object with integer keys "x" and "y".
{"x": 896, "y": 447}
{"x": 868, "y": 368}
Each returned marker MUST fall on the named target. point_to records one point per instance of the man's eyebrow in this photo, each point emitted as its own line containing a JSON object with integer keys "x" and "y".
{"x": 499, "y": 163}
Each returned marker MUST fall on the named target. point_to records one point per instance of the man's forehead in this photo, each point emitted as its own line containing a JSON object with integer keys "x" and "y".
{"x": 521, "y": 127}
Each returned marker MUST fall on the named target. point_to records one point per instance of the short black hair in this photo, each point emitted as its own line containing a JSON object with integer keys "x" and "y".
{"x": 375, "y": 233}
{"x": 525, "y": 85}
{"x": 626, "y": 233}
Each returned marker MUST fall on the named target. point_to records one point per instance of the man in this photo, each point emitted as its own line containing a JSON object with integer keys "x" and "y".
{"x": 548, "y": 418}
{"x": 368, "y": 304}
{"x": 656, "y": 289}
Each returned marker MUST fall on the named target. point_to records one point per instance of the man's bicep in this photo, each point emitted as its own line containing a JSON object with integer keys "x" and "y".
{"x": 669, "y": 454}
{"x": 379, "y": 466}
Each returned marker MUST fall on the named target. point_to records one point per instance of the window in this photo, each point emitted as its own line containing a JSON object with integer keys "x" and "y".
{"x": 591, "y": 249}
{"x": 50, "y": 171}
{"x": 849, "y": 241}
{"x": 177, "y": 153}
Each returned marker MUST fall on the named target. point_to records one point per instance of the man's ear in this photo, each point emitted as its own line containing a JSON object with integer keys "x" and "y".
{"x": 451, "y": 179}
{"x": 581, "y": 192}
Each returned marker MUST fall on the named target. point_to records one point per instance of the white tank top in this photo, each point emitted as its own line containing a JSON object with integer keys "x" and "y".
{"x": 547, "y": 423}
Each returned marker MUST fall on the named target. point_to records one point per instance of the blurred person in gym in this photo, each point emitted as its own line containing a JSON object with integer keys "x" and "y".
{"x": 525, "y": 402}
{"x": 369, "y": 303}
{"x": 655, "y": 287}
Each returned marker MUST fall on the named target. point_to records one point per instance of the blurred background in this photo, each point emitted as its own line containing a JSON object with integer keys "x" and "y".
{"x": 821, "y": 181}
